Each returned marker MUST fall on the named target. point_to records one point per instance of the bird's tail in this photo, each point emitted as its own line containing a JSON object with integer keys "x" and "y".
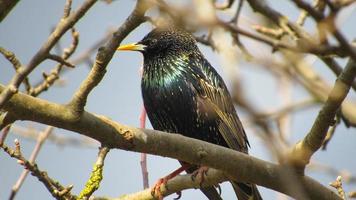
{"x": 211, "y": 193}
{"x": 246, "y": 191}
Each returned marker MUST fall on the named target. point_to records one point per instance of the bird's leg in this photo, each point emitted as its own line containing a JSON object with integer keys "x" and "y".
{"x": 156, "y": 190}
{"x": 200, "y": 172}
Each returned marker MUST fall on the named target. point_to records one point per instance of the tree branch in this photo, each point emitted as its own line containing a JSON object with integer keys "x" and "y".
{"x": 96, "y": 175}
{"x": 57, "y": 190}
{"x": 11, "y": 57}
{"x": 179, "y": 183}
{"x": 302, "y": 151}
{"x": 61, "y": 28}
{"x": 237, "y": 165}
{"x": 40, "y": 140}
{"x": 105, "y": 54}
{"x": 5, "y": 7}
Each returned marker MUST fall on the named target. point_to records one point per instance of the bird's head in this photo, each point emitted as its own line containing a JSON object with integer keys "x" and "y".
{"x": 163, "y": 41}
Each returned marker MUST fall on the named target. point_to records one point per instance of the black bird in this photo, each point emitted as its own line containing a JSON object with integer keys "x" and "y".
{"x": 183, "y": 93}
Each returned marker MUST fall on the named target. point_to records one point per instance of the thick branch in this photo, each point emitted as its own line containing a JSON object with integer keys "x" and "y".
{"x": 237, "y": 165}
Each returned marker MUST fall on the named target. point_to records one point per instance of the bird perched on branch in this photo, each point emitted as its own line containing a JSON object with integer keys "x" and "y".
{"x": 183, "y": 93}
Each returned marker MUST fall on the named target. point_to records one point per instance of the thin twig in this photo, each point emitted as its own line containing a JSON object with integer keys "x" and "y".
{"x": 337, "y": 184}
{"x": 294, "y": 106}
{"x": 235, "y": 19}
{"x": 85, "y": 55}
{"x": 312, "y": 47}
{"x": 57, "y": 190}
{"x": 336, "y": 68}
{"x": 50, "y": 79}
{"x": 40, "y": 140}
{"x": 105, "y": 54}
{"x": 60, "y": 60}
{"x": 4, "y": 134}
{"x": 67, "y": 9}
{"x": 11, "y": 57}
{"x": 40, "y": 56}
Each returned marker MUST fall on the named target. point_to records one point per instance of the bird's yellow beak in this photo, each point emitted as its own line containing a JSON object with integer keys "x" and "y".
{"x": 132, "y": 47}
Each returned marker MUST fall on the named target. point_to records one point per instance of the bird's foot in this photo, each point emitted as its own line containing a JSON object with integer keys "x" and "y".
{"x": 200, "y": 173}
{"x": 156, "y": 190}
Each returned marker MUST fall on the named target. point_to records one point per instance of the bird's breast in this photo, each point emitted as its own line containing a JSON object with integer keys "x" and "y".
{"x": 167, "y": 98}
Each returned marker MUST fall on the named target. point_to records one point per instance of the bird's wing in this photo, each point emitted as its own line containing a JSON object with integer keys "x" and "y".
{"x": 213, "y": 94}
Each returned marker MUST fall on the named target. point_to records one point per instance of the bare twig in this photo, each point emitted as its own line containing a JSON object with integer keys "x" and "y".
{"x": 336, "y": 68}
{"x": 11, "y": 57}
{"x": 60, "y": 60}
{"x": 310, "y": 9}
{"x": 235, "y": 36}
{"x": 40, "y": 140}
{"x": 337, "y": 184}
{"x": 319, "y": 17}
{"x": 295, "y": 106}
{"x": 105, "y": 54}
{"x": 58, "y": 191}
{"x": 4, "y": 134}
{"x": 60, "y": 29}
{"x": 235, "y": 19}
{"x": 50, "y": 79}
{"x": 85, "y": 55}
{"x": 319, "y": 4}
{"x": 67, "y": 9}
{"x": 277, "y": 18}
{"x": 311, "y": 47}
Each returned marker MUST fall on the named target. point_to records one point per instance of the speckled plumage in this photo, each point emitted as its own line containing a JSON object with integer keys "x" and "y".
{"x": 184, "y": 94}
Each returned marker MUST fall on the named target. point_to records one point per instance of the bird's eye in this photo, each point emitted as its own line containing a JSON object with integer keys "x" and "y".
{"x": 153, "y": 40}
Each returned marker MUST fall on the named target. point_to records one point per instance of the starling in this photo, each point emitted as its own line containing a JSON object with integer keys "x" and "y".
{"x": 183, "y": 93}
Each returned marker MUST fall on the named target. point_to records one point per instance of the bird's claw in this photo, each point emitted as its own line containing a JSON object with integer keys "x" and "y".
{"x": 179, "y": 195}
{"x": 201, "y": 172}
{"x": 219, "y": 188}
{"x": 156, "y": 190}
